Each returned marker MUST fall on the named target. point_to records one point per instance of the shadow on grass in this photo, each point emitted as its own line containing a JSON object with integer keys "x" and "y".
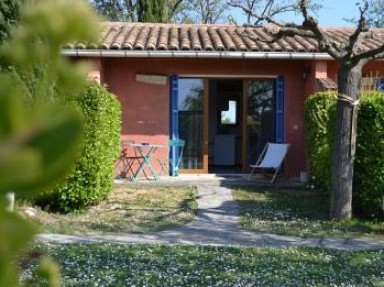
{"x": 139, "y": 219}
{"x": 297, "y": 212}
{"x": 128, "y": 211}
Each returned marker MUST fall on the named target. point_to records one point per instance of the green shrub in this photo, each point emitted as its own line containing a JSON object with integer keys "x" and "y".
{"x": 317, "y": 135}
{"x": 368, "y": 185}
{"x": 92, "y": 178}
{"x": 369, "y": 164}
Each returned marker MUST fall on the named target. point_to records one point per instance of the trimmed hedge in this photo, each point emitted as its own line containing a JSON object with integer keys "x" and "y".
{"x": 318, "y": 138}
{"x": 368, "y": 185}
{"x": 92, "y": 178}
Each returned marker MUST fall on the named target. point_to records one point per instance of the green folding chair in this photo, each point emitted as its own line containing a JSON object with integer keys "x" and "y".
{"x": 172, "y": 164}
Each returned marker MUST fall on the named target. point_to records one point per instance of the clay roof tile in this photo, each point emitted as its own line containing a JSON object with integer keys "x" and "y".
{"x": 153, "y": 38}
{"x": 195, "y": 39}
{"x": 141, "y": 39}
{"x": 204, "y": 37}
{"x": 173, "y": 39}
{"x": 163, "y": 39}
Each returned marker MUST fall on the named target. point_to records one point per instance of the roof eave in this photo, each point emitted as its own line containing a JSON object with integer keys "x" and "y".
{"x": 195, "y": 54}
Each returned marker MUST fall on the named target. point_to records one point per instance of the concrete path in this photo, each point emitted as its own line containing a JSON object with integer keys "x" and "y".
{"x": 217, "y": 224}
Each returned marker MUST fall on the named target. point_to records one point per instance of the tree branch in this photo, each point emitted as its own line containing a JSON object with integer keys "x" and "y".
{"x": 377, "y": 57}
{"x": 290, "y": 32}
{"x": 309, "y": 29}
{"x": 357, "y": 36}
{"x": 175, "y": 6}
{"x": 260, "y": 17}
{"x": 311, "y": 24}
{"x": 371, "y": 54}
{"x": 267, "y": 7}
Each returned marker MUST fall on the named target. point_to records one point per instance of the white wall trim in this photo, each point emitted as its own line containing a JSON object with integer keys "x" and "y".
{"x": 195, "y": 54}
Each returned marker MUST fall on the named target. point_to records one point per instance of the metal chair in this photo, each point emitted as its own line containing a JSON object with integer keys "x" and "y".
{"x": 127, "y": 159}
{"x": 172, "y": 164}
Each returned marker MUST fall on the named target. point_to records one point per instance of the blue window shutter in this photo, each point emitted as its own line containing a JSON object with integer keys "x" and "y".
{"x": 280, "y": 109}
{"x": 174, "y": 123}
{"x": 381, "y": 84}
{"x": 174, "y": 119}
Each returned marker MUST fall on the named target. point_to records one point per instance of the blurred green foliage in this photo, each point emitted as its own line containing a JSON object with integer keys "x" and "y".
{"x": 92, "y": 177}
{"x": 38, "y": 137}
{"x": 153, "y": 11}
{"x": 368, "y": 183}
{"x": 9, "y": 17}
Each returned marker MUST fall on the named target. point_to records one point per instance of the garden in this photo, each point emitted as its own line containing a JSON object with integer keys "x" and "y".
{"x": 127, "y": 209}
{"x": 368, "y": 180}
{"x": 299, "y": 212}
{"x": 159, "y": 265}
{"x": 60, "y": 137}
{"x": 305, "y": 212}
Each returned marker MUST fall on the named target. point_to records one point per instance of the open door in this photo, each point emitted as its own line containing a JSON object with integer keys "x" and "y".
{"x": 259, "y": 118}
{"x": 192, "y": 123}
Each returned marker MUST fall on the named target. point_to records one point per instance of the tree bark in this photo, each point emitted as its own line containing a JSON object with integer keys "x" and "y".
{"x": 349, "y": 80}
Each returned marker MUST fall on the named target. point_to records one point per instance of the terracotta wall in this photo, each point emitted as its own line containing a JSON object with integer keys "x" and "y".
{"x": 372, "y": 67}
{"x": 146, "y": 107}
{"x": 314, "y": 70}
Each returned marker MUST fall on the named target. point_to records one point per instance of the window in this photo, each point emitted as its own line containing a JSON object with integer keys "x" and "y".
{"x": 260, "y": 117}
{"x": 190, "y": 117}
{"x": 229, "y": 117}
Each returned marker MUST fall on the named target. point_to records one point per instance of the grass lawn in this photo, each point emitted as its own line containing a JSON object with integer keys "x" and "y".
{"x": 127, "y": 209}
{"x": 299, "y": 213}
{"x": 156, "y": 265}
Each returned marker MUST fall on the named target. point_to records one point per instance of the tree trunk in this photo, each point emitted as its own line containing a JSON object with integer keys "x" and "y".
{"x": 349, "y": 80}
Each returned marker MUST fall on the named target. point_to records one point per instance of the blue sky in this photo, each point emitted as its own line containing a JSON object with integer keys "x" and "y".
{"x": 331, "y": 14}
{"x": 335, "y": 10}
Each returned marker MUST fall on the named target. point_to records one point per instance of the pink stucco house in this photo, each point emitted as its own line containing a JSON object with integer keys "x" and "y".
{"x": 221, "y": 88}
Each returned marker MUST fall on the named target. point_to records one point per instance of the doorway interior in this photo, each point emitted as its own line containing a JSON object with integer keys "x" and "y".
{"x": 225, "y": 126}
{"x": 225, "y": 122}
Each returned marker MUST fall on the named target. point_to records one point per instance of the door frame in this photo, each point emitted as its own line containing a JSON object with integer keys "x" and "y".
{"x": 246, "y": 81}
{"x": 203, "y": 170}
{"x": 244, "y": 142}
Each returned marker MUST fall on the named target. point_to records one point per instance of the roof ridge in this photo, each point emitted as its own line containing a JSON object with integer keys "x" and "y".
{"x": 169, "y": 24}
{"x": 217, "y": 25}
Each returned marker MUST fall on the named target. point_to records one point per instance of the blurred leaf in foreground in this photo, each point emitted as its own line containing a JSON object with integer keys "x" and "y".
{"x": 39, "y": 131}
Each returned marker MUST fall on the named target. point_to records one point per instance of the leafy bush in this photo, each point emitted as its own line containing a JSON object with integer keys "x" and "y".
{"x": 9, "y": 17}
{"x": 92, "y": 178}
{"x": 369, "y": 164}
{"x": 368, "y": 185}
{"x": 317, "y": 135}
{"x": 38, "y": 138}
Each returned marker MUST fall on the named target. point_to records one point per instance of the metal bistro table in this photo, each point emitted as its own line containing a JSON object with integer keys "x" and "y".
{"x": 146, "y": 151}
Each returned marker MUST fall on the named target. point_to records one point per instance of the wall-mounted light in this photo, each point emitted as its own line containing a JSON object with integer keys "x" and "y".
{"x": 306, "y": 72}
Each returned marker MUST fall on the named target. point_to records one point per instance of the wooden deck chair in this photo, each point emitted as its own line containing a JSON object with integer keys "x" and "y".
{"x": 271, "y": 158}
